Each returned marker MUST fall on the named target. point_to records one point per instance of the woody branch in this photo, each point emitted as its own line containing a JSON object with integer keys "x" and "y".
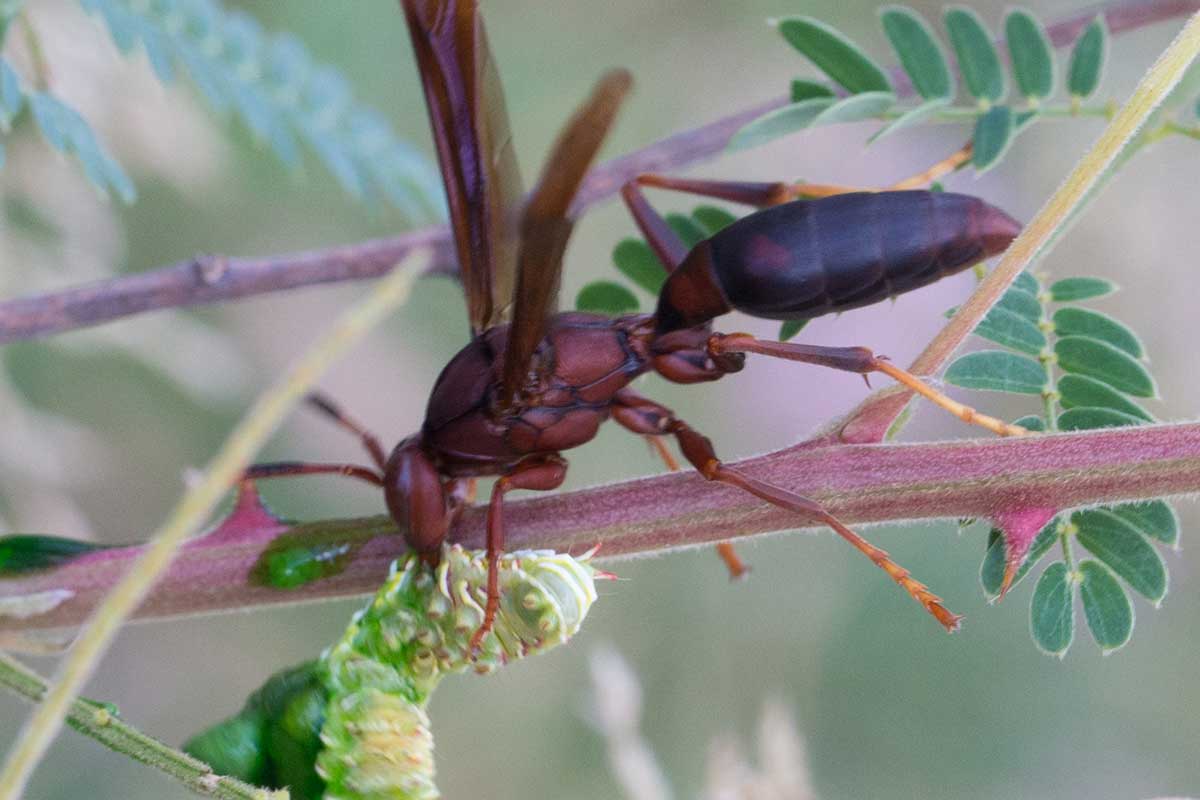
{"x": 858, "y": 483}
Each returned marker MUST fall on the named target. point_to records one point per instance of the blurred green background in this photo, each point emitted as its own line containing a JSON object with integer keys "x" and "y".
{"x": 888, "y": 704}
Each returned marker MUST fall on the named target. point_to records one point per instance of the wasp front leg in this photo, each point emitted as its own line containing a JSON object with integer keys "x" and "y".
{"x": 539, "y": 473}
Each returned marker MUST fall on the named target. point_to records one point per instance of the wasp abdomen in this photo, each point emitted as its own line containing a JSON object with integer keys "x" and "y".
{"x": 807, "y": 258}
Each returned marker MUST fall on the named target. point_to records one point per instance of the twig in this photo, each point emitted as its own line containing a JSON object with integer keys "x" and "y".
{"x": 102, "y": 724}
{"x": 192, "y": 282}
{"x": 857, "y": 483}
{"x": 196, "y": 505}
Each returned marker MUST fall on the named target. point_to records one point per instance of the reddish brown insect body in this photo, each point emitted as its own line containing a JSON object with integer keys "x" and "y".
{"x": 522, "y": 392}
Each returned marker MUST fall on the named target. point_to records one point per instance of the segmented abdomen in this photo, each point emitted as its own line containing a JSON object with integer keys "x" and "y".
{"x": 808, "y": 258}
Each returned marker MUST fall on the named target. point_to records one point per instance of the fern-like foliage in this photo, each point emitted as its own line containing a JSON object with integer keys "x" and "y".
{"x": 1087, "y": 369}
{"x": 64, "y": 128}
{"x": 273, "y": 85}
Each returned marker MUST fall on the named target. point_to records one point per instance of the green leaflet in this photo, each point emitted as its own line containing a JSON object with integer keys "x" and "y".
{"x": 1075, "y": 321}
{"x": 994, "y": 132}
{"x": 12, "y": 99}
{"x": 606, "y": 297}
{"x": 911, "y": 117}
{"x": 1106, "y": 606}
{"x": 856, "y": 108}
{"x": 1011, "y": 330}
{"x": 1124, "y": 550}
{"x": 1078, "y": 391}
{"x": 834, "y": 54}
{"x": 1154, "y": 518}
{"x": 1031, "y": 55}
{"x": 919, "y": 51}
{"x": 21, "y": 553}
{"x": 1083, "y": 355}
{"x": 1051, "y": 614}
{"x": 1087, "y": 59}
{"x": 69, "y": 133}
{"x": 637, "y": 261}
{"x": 1087, "y": 419}
{"x": 977, "y": 57}
{"x": 1021, "y": 302}
{"x": 1031, "y": 422}
{"x": 712, "y": 219}
{"x": 807, "y": 90}
{"x": 780, "y": 122}
{"x": 1026, "y": 283}
{"x": 790, "y": 328}
{"x": 997, "y": 371}
{"x": 686, "y": 229}
{"x": 1071, "y": 289}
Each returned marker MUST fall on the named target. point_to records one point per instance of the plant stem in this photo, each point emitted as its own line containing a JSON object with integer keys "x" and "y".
{"x": 959, "y": 114}
{"x": 856, "y": 483}
{"x": 1047, "y": 358}
{"x": 196, "y": 505}
{"x": 102, "y": 724}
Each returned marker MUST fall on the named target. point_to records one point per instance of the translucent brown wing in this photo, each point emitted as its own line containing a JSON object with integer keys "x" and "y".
{"x": 474, "y": 146}
{"x": 546, "y": 225}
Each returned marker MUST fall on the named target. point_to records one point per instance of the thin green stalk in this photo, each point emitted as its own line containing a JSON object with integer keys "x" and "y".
{"x": 971, "y": 113}
{"x": 1065, "y": 531}
{"x": 191, "y": 512}
{"x": 1047, "y": 359}
{"x": 100, "y": 723}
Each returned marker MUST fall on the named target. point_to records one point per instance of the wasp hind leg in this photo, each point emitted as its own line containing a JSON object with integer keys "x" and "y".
{"x": 762, "y": 194}
{"x": 641, "y": 414}
{"x": 862, "y": 361}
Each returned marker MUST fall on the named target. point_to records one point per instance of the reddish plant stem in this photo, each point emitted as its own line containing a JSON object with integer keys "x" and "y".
{"x": 859, "y": 484}
{"x": 213, "y": 279}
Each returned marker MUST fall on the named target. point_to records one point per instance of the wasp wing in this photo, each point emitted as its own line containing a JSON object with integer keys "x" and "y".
{"x": 474, "y": 147}
{"x": 547, "y": 222}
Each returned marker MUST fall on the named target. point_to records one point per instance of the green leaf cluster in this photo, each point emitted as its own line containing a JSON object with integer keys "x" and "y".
{"x": 273, "y": 85}
{"x": 1089, "y": 371}
{"x": 859, "y": 89}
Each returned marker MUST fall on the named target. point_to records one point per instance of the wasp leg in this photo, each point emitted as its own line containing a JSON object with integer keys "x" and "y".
{"x": 287, "y": 469}
{"x": 540, "y": 474}
{"x": 862, "y": 361}
{"x": 666, "y": 244}
{"x": 330, "y": 408}
{"x": 627, "y": 412}
{"x": 638, "y": 413}
{"x": 763, "y": 194}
